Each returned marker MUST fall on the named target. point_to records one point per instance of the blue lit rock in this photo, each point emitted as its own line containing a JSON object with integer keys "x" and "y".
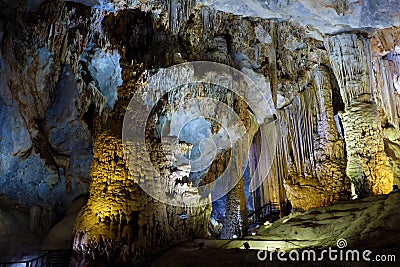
{"x": 104, "y": 68}
{"x": 45, "y": 138}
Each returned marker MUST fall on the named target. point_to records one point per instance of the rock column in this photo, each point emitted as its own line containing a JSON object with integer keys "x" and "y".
{"x": 367, "y": 164}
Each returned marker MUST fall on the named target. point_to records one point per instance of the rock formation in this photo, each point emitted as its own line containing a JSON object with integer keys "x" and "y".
{"x": 367, "y": 164}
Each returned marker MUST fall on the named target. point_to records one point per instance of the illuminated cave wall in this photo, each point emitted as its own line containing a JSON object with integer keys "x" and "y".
{"x": 311, "y": 177}
{"x": 46, "y": 142}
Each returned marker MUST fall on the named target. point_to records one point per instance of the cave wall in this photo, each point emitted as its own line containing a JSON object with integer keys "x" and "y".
{"x": 385, "y": 45}
{"x": 46, "y": 145}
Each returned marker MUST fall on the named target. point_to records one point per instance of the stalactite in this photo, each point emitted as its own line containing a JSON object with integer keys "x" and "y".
{"x": 386, "y": 73}
{"x": 310, "y": 155}
{"x": 178, "y": 13}
{"x": 208, "y": 17}
{"x": 350, "y": 56}
{"x": 298, "y": 120}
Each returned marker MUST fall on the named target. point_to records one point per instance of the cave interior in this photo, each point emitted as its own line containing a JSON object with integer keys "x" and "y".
{"x": 198, "y": 133}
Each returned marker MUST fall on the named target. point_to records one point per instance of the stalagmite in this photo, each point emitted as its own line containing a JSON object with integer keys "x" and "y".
{"x": 367, "y": 164}
{"x": 236, "y": 214}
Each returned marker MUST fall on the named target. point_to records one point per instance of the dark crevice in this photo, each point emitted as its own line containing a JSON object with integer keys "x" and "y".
{"x": 337, "y": 101}
{"x": 134, "y": 222}
{"x": 89, "y": 116}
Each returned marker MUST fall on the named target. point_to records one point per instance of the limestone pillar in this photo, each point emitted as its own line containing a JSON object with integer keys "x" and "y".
{"x": 236, "y": 213}
{"x": 367, "y": 164}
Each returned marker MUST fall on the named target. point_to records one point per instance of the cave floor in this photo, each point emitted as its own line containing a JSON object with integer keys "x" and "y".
{"x": 189, "y": 255}
{"x": 372, "y": 223}
{"x": 365, "y": 224}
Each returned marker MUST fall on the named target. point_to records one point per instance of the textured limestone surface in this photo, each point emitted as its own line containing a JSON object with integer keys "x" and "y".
{"x": 316, "y": 175}
{"x": 72, "y": 159}
{"x": 321, "y": 16}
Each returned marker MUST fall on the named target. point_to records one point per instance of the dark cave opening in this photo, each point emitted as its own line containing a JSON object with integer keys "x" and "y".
{"x": 134, "y": 223}
{"x": 337, "y": 101}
